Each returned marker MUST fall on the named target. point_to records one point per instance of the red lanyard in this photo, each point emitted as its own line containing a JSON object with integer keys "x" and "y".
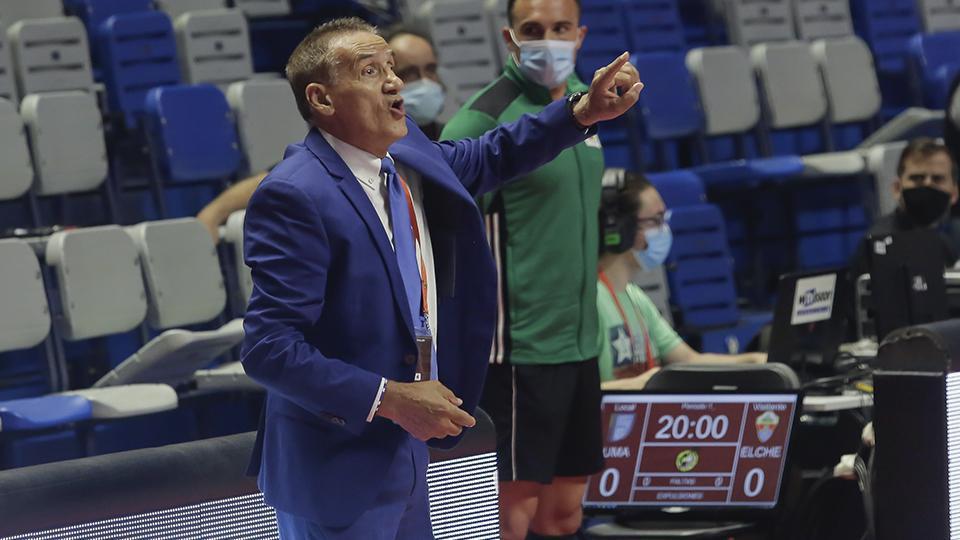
{"x": 626, "y": 322}
{"x": 424, "y": 301}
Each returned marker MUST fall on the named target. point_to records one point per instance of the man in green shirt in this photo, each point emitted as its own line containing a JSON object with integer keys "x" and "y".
{"x": 543, "y": 388}
{"x": 635, "y": 339}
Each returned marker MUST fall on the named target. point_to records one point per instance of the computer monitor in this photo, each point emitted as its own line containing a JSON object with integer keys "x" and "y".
{"x": 713, "y": 452}
{"x": 808, "y": 322}
{"x": 906, "y": 279}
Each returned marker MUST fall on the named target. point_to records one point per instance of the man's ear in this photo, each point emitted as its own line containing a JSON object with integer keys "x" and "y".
{"x": 581, "y": 35}
{"x": 511, "y": 45}
{"x": 897, "y": 187}
{"x": 319, "y": 99}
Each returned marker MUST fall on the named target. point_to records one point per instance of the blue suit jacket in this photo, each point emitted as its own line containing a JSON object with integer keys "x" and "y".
{"x": 328, "y": 317}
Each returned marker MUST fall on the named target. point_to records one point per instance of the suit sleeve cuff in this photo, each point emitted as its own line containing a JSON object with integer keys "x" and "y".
{"x": 376, "y": 400}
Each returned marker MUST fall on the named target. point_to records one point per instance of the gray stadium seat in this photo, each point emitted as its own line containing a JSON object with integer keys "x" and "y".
{"x": 654, "y": 283}
{"x": 757, "y": 21}
{"x": 24, "y": 317}
{"x": 13, "y": 11}
{"x": 939, "y": 15}
{"x": 175, "y": 8}
{"x": 68, "y": 157}
{"x": 229, "y": 376}
{"x": 267, "y": 120}
{"x": 174, "y": 357}
{"x": 128, "y": 400}
{"x": 882, "y": 162}
{"x": 818, "y": 19}
{"x": 184, "y": 287}
{"x": 263, "y": 8}
{"x": 100, "y": 285}
{"x": 8, "y": 81}
{"x": 795, "y": 97}
{"x": 17, "y": 169}
{"x": 233, "y": 235}
{"x": 724, "y": 78}
{"x": 461, "y": 33}
{"x": 50, "y": 55}
{"x": 214, "y": 46}
{"x": 181, "y": 271}
{"x": 849, "y": 77}
{"x": 791, "y": 84}
{"x": 101, "y": 291}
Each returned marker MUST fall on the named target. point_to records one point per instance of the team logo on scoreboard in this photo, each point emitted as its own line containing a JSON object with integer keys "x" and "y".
{"x": 621, "y": 424}
{"x": 687, "y": 460}
{"x": 766, "y": 425}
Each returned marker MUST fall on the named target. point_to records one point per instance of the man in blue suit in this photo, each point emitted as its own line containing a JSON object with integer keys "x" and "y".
{"x": 374, "y": 290}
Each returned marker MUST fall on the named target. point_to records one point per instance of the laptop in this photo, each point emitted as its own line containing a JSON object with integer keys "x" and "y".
{"x": 907, "y": 283}
{"x": 808, "y": 322}
{"x": 678, "y": 465}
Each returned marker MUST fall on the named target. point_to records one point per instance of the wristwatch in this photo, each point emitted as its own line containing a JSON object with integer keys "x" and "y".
{"x": 572, "y": 100}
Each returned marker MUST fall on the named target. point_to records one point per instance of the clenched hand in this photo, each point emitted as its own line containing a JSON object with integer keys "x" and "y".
{"x": 426, "y": 410}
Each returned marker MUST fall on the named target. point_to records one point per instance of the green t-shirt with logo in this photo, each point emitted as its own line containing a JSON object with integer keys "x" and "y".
{"x": 619, "y": 358}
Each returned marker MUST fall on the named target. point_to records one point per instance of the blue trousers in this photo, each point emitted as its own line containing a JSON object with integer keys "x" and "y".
{"x": 401, "y": 510}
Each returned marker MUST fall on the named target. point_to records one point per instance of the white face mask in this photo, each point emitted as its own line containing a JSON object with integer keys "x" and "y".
{"x": 659, "y": 242}
{"x": 547, "y": 62}
{"x": 423, "y": 100}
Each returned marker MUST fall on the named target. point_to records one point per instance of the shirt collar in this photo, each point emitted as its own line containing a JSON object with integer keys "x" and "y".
{"x": 364, "y": 165}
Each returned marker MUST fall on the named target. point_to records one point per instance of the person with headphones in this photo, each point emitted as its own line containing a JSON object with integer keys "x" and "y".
{"x": 634, "y": 337}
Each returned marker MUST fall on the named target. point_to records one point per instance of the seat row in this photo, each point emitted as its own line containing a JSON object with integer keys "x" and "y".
{"x": 161, "y": 280}
{"x": 225, "y": 122}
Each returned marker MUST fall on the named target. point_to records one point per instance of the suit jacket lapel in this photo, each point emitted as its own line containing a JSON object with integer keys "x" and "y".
{"x": 361, "y": 203}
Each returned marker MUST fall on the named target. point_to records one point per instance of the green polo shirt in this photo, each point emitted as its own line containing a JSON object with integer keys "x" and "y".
{"x": 542, "y": 229}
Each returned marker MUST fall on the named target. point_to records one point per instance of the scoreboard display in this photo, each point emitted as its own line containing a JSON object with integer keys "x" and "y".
{"x": 692, "y": 450}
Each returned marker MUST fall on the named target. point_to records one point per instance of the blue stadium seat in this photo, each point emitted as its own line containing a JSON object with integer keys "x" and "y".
{"x": 191, "y": 132}
{"x": 670, "y": 111}
{"x": 94, "y": 12}
{"x": 703, "y": 24}
{"x": 606, "y": 38}
{"x": 679, "y": 188}
{"x": 701, "y": 281}
{"x": 30, "y": 414}
{"x": 934, "y": 63}
{"x": 654, "y": 26}
{"x": 887, "y": 26}
{"x": 138, "y": 53}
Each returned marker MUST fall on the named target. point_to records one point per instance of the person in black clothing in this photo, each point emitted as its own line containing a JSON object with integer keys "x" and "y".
{"x": 926, "y": 189}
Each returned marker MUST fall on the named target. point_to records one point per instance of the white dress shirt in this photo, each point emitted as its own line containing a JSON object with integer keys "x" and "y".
{"x": 366, "y": 168}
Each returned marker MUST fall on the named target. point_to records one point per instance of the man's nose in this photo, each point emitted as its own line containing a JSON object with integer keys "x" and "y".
{"x": 393, "y": 83}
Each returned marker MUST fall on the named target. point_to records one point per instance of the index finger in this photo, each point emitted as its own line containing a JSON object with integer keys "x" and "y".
{"x": 613, "y": 68}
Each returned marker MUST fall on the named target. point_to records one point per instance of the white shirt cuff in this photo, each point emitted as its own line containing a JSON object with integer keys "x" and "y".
{"x": 376, "y": 400}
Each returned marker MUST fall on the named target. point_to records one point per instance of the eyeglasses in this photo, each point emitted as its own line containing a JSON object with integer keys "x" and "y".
{"x": 654, "y": 222}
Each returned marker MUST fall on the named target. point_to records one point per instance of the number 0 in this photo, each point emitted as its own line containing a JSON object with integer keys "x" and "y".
{"x": 609, "y": 482}
{"x": 755, "y": 476}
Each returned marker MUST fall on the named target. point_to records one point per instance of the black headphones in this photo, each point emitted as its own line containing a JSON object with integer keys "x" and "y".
{"x": 617, "y": 229}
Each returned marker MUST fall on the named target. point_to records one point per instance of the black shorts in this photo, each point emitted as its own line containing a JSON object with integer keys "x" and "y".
{"x": 547, "y": 419}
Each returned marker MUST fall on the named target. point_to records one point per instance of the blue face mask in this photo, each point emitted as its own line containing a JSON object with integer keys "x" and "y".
{"x": 547, "y": 62}
{"x": 423, "y": 100}
{"x": 659, "y": 242}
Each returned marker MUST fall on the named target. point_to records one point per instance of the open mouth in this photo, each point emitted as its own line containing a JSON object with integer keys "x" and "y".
{"x": 396, "y": 108}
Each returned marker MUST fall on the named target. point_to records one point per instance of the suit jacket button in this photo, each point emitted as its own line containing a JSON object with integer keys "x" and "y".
{"x": 338, "y": 421}
{"x": 410, "y": 359}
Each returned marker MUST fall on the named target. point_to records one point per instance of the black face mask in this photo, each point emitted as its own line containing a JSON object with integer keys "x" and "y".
{"x": 925, "y": 205}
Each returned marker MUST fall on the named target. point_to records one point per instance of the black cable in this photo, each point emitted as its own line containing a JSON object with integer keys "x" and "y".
{"x": 863, "y": 482}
